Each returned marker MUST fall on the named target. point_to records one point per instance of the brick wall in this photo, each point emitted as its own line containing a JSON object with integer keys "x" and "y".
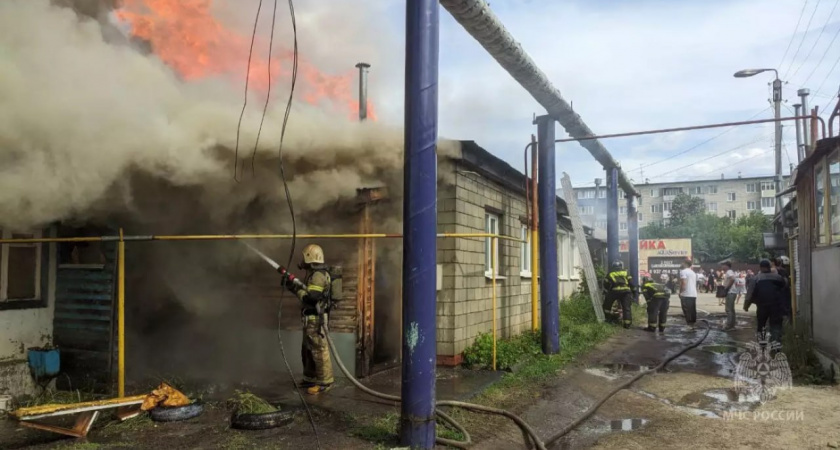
{"x": 464, "y": 307}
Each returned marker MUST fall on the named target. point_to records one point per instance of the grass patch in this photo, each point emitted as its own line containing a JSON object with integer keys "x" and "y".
{"x": 805, "y": 367}
{"x": 135, "y": 424}
{"x": 580, "y": 331}
{"x": 383, "y": 430}
{"x": 244, "y": 402}
{"x": 237, "y": 441}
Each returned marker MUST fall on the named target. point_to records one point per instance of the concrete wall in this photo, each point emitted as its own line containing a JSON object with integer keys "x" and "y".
{"x": 22, "y": 329}
{"x": 825, "y": 265}
{"x": 465, "y": 300}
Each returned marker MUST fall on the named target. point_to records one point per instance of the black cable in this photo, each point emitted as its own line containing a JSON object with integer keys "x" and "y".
{"x": 793, "y": 36}
{"x": 807, "y": 27}
{"x": 708, "y": 158}
{"x": 643, "y": 166}
{"x": 836, "y": 2}
{"x": 245, "y": 100}
{"x": 291, "y": 205}
{"x": 827, "y": 76}
{"x": 268, "y": 93}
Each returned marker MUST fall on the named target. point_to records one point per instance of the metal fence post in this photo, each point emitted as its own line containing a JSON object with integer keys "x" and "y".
{"x": 547, "y": 197}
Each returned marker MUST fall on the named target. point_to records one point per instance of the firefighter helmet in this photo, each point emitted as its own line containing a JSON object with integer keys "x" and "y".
{"x": 646, "y": 280}
{"x": 313, "y": 254}
{"x": 617, "y": 265}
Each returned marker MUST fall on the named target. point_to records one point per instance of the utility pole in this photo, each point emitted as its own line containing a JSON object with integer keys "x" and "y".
{"x": 777, "y": 107}
{"x": 806, "y": 129}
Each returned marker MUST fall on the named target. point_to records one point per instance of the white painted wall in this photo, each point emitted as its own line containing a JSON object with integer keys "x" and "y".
{"x": 21, "y": 329}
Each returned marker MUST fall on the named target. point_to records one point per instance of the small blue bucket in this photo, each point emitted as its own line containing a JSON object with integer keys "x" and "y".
{"x": 44, "y": 362}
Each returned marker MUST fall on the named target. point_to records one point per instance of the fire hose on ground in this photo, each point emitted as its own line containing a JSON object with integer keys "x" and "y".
{"x": 531, "y": 437}
{"x": 527, "y": 430}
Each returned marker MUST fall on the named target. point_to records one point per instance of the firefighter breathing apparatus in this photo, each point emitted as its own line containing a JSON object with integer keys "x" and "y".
{"x": 532, "y": 439}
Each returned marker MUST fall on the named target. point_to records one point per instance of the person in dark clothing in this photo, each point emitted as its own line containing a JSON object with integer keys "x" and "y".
{"x": 619, "y": 288}
{"x": 658, "y": 300}
{"x": 779, "y": 268}
{"x": 767, "y": 292}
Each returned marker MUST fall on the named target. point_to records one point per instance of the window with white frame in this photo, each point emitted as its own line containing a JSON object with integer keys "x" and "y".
{"x": 20, "y": 271}
{"x": 768, "y": 186}
{"x": 751, "y": 206}
{"x": 654, "y": 192}
{"x": 768, "y": 202}
{"x": 732, "y": 214}
{"x": 640, "y": 217}
{"x": 525, "y": 252}
{"x": 672, "y": 191}
{"x": 666, "y": 206}
{"x": 563, "y": 255}
{"x": 491, "y": 226}
{"x": 711, "y": 206}
{"x": 711, "y": 189}
{"x": 622, "y": 210}
{"x": 575, "y": 259}
{"x": 602, "y": 224}
{"x": 586, "y": 194}
{"x": 622, "y": 226}
{"x": 602, "y": 193}
{"x": 586, "y": 210}
{"x": 752, "y": 187}
{"x": 656, "y": 208}
{"x": 730, "y": 196}
{"x": 696, "y": 190}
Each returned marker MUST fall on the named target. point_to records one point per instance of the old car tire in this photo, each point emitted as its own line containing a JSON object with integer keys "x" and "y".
{"x": 262, "y": 421}
{"x": 176, "y": 413}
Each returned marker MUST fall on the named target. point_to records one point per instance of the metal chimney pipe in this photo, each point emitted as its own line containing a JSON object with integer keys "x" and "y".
{"x": 806, "y": 137}
{"x": 800, "y": 151}
{"x": 363, "y": 87}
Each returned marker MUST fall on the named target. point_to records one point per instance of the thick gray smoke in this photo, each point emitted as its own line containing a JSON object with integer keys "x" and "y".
{"x": 86, "y": 124}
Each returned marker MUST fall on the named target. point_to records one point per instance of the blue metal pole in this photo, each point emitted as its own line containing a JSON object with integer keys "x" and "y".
{"x": 547, "y": 198}
{"x": 612, "y": 216}
{"x": 417, "y": 413}
{"x": 633, "y": 241}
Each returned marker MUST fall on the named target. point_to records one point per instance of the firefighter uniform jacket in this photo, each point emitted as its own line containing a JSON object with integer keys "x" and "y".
{"x": 618, "y": 281}
{"x": 653, "y": 291}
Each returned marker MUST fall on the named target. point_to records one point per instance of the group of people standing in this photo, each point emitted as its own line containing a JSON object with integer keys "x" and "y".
{"x": 769, "y": 290}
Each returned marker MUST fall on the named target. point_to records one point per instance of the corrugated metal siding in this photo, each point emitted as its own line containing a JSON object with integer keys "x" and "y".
{"x": 84, "y": 323}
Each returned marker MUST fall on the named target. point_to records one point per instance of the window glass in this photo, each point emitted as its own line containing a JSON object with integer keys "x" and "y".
{"x": 22, "y": 267}
{"x": 834, "y": 195}
{"x": 819, "y": 198}
{"x": 491, "y": 226}
{"x": 525, "y": 253}
{"x": 751, "y": 206}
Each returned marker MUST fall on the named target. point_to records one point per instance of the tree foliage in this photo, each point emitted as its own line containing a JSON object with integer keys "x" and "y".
{"x": 685, "y": 206}
{"x": 715, "y": 238}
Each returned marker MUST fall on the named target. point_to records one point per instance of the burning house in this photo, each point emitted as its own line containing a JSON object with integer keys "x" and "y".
{"x": 86, "y": 156}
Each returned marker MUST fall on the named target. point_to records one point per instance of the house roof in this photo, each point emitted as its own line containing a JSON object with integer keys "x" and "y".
{"x": 677, "y": 182}
{"x": 489, "y": 165}
{"x": 824, "y": 147}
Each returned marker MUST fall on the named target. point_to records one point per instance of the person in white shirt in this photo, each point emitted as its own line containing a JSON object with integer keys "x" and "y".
{"x": 688, "y": 293}
{"x": 731, "y": 294}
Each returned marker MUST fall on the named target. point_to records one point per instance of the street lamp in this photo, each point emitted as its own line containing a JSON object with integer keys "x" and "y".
{"x": 777, "y": 105}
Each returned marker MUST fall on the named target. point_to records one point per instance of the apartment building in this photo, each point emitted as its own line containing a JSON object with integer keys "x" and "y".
{"x": 733, "y": 198}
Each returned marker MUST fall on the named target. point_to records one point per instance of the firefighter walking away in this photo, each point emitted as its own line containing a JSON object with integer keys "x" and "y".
{"x": 314, "y": 294}
{"x": 658, "y": 298}
{"x": 619, "y": 289}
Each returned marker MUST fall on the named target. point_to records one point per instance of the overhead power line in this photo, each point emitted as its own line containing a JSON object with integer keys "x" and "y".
{"x": 793, "y": 36}
{"x": 727, "y": 151}
{"x": 706, "y": 174}
{"x": 816, "y": 41}
{"x": 802, "y": 41}
{"x": 830, "y": 72}
{"x": 827, "y": 49}
{"x": 644, "y": 166}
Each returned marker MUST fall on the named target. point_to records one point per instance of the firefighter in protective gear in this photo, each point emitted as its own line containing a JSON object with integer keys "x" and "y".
{"x": 658, "y": 298}
{"x": 314, "y": 295}
{"x": 619, "y": 288}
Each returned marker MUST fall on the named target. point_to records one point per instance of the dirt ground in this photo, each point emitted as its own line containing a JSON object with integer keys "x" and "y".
{"x": 690, "y": 404}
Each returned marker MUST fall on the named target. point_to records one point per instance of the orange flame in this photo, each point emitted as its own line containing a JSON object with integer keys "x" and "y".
{"x": 185, "y": 35}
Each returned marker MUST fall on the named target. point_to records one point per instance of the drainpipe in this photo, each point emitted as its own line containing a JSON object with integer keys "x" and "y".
{"x": 633, "y": 240}
{"x": 547, "y": 197}
{"x": 612, "y": 216}
{"x": 363, "y": 88}
{"x": 535, "y": 249}
{"x": 417, "y": 409}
